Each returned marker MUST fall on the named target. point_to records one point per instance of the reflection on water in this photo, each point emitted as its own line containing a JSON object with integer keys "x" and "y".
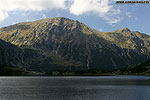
{"x": 75, "y": 88}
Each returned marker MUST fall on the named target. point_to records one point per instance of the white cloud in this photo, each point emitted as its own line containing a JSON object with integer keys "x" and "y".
{"x": 128, "y": 14}
{"x": 26, "y": 5}
{"x": 43, "y": 16}
{"x": 102, "y": 8}
{"x": 3, "y": 15}
{"x": 27, "y": 20}
{"x": 83, "y": 6}
{"x": 100, "y": 30}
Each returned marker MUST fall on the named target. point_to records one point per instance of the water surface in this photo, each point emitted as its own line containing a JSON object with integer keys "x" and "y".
{"x": 75, "y": 88}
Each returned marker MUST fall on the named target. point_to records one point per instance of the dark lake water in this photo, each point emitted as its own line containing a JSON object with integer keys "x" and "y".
{"x": 75, "y": 88}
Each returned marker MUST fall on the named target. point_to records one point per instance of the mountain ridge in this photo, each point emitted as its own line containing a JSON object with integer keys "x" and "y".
{"x": 72, "y": 42}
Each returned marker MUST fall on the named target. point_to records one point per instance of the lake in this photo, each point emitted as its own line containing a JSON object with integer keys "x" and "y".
{"x": 75, "y": 88}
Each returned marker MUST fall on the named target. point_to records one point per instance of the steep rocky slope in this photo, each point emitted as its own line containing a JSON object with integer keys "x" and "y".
{"x": 72, "y": 45}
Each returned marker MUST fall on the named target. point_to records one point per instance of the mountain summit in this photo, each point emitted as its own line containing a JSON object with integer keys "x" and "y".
{"x": 68, "y": 44}
{"x": 125, "y": 29}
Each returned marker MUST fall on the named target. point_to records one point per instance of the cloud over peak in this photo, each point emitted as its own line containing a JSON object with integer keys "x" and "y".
{"x": 26, "y": 5}
{"x": 83, "y": 6}
{"x": 102, "y": 8}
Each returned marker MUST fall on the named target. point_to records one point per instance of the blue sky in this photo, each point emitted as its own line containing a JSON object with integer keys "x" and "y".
{"x": 102, "y": 15}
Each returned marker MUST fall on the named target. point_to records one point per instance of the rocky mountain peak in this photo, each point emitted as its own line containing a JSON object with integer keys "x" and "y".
{"x": 62, "y": 20}
{"x": 125, "y": 29}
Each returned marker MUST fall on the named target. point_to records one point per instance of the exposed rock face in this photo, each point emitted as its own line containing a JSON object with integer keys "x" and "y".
{"x": 70, "y": 45}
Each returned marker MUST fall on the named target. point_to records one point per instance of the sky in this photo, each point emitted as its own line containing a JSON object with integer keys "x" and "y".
{"x": 102, "y": 15}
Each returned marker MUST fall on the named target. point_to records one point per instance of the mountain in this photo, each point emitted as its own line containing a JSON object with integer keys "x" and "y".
{"x": 6, "y": 70}
{"x": 143, "y": 68}
{"x": 139, "y": 69}
{"x": 9, "y": 54}
{"x": 62, "y": 43}
{"x": 12, "y": 55}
